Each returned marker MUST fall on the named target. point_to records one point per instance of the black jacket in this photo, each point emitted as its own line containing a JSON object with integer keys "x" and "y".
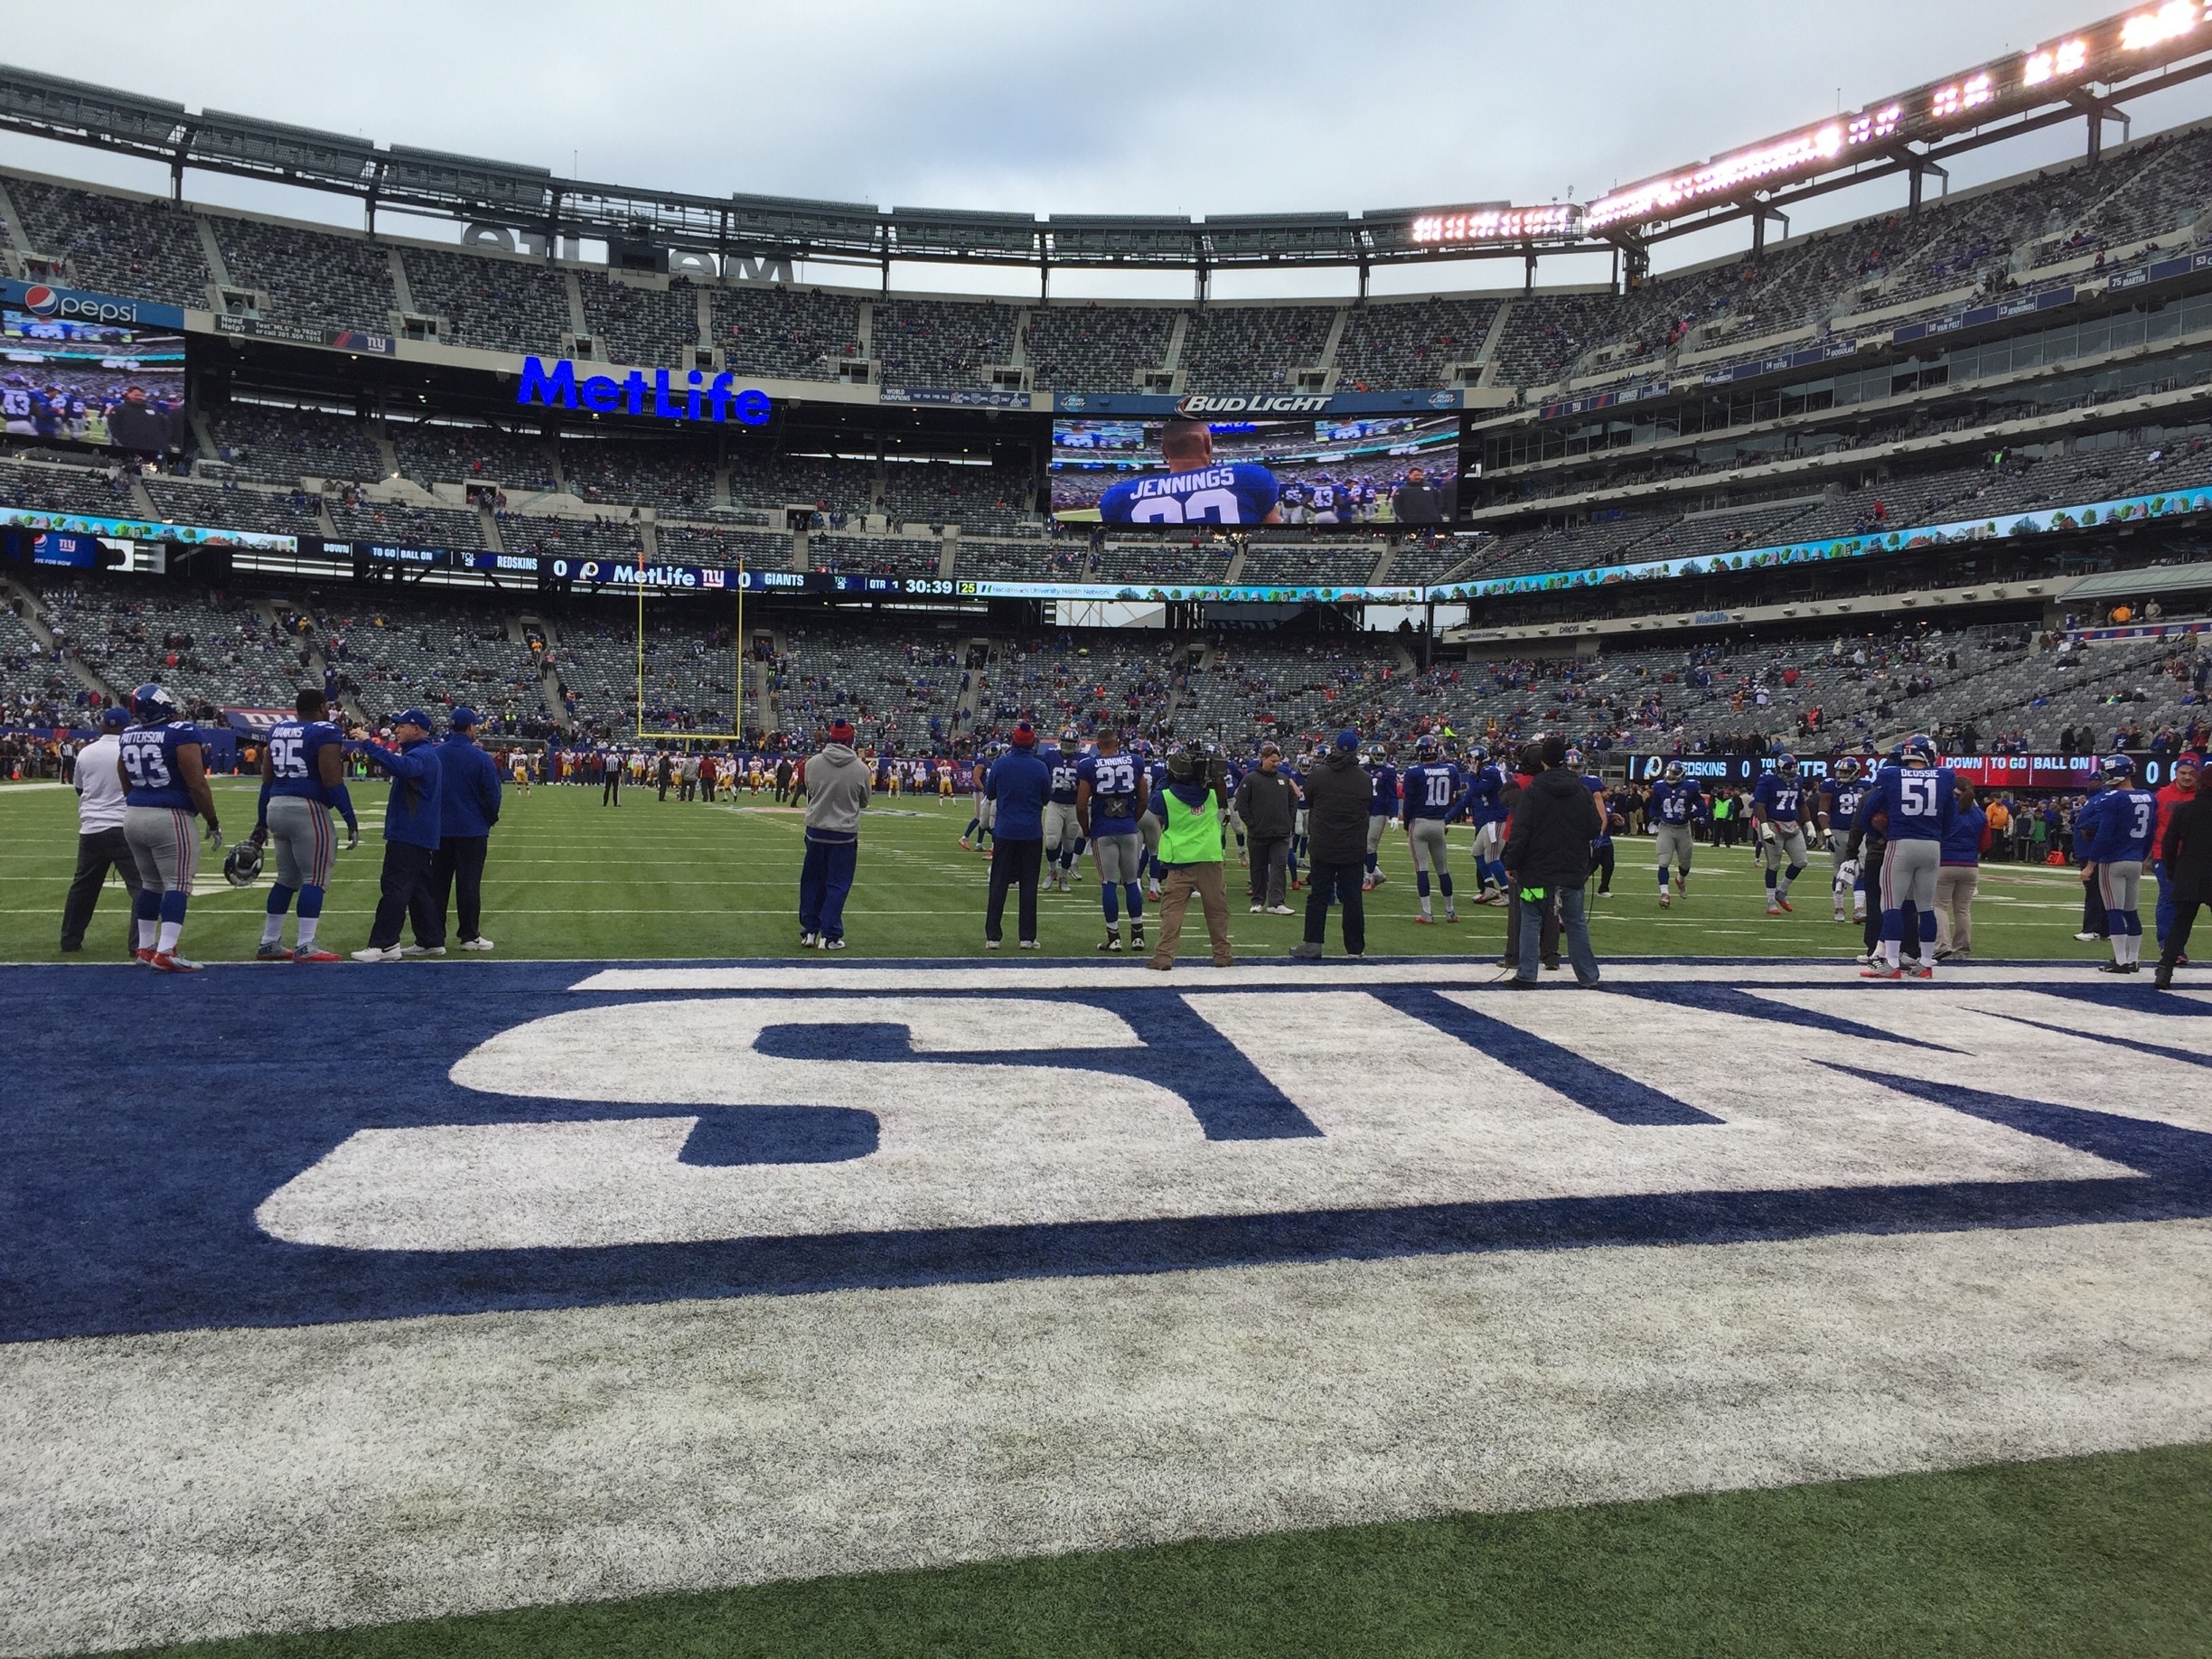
{"x": 1267, "y": 803}
{"x": 1554, "y": 823}
{"x": 2185, "y": 849}
{"x": 1337, "y": 794}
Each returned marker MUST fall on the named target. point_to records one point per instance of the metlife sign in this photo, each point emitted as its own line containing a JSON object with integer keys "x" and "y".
{"x": 44, "y": 301}
{"x": 718, "y": 399}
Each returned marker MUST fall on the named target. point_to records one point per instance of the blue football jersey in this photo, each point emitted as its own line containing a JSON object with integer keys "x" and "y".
{"x": 1782, "y": 797}
{"x": 1062, "y": 766}
{"x": 1114, "y": 791}
{"x": 1676, "y": 803}
{"x": 1486, "y": 795}
{"x": 150, "y": 762}
{"x": 1239, "y": 493}
{"x": 1432, "y": 790}
{"x": 1384, "y": 802}
{"x": 1919, "y": 802}
{"x": 1843, "y": 800}
{"x": 2115, "y": 826}
{"x": 295, "y": 750}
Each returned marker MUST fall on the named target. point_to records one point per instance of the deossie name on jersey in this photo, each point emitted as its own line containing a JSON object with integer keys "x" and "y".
{"x": 1241, "y": 493}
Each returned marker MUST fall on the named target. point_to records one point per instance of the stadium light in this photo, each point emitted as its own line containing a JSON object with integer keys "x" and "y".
{"x": 1452, "y": 226}
{"x": 2111, "y": 50}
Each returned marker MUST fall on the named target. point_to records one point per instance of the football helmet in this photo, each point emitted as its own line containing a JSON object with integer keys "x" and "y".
{"x": 1574, "y": 757}
{"x": 242, "y": 864}
{"x": 1673, "y": 774}
{"x": 2118, "y": 769}
{"x": 152, "y": 704}
{"x": 1846, "y": 769}
{"x": 1427, "y": 748}
{"x": 1919, "y": 750}
{"x": 1786, "y": 764}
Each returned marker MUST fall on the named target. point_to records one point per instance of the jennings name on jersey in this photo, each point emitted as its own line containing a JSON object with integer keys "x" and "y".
{"x": 1240, "y": 494}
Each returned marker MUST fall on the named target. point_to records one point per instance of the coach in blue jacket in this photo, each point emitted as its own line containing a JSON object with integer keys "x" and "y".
{"x": 469, "y": 803}
{"x": 1020, "y": 782}
{"x": 412, "y": 817}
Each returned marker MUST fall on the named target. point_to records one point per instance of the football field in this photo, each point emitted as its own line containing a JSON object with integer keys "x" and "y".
{"x": 650, "y": 1288}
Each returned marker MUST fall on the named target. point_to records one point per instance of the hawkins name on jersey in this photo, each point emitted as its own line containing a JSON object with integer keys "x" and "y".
{"x": 1240, "y": 494}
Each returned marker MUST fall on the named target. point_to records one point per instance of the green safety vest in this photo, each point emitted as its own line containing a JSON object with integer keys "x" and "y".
{"x": 1190, "y": 835}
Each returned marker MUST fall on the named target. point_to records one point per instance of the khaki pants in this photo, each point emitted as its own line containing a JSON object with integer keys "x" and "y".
{"x": 1954, "y": 891}
{"x": 1206, "y": 881}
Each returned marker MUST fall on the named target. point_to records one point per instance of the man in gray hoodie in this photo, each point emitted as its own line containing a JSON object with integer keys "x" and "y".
{"x": 837, "y": 782}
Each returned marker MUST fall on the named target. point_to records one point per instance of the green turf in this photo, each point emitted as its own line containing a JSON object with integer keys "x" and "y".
{"x": 570, "y": 879}
{"x": 2104, "y": 1555}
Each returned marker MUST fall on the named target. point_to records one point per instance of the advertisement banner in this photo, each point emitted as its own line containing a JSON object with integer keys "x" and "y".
{"x": 72, "y": 306}
{"x": 2077, "y": 772}
{"x": 2126, "y": 510}
{"x": 955, "y": 399}
{"x": 1235, "y": 406}
{"x": 354, "y": 340}
{"x": 145, "y": 529}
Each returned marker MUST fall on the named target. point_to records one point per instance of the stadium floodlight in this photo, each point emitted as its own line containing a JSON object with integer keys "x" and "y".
{"x": 737, "y": 732}
{"x": 2038, "y": 78}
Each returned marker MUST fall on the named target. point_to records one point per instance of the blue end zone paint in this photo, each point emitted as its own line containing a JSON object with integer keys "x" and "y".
{"x": 781, "y": 1135}
{"x": 1623, "y": 1100}
{"x": 128, "y": 1185}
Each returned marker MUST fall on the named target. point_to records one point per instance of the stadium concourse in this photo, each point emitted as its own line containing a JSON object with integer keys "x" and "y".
{"x": 586, "y": 1261}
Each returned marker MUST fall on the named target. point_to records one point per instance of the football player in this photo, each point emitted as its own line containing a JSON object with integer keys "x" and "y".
{"x": 1194, "y": 489}
{"x": 1149, "y": 823}
{"x": 2112, "y": 834}
{"x": 1778, "y": 815}
{"x": 1486, "y": 809}
{"x": 1382, "y": 813}
{"x": 163, "y": 766}
{"x": 1112, "y": 792}
{"x": 1601, "y": 849}
{"x": 1063, "y": 833}
{"x": 1435, "y": 791}
{"x": 1676, "y": 802}
{"x": 303, "y": 781}
{"x": 1916, "y": 798}
{"x": 1840, "y": 794}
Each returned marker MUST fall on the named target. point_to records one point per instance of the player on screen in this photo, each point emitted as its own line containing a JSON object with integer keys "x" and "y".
{"x": 1194, "y": 489}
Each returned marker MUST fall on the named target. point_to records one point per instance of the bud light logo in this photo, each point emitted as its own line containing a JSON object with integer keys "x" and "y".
{"x": 41, "y": 301}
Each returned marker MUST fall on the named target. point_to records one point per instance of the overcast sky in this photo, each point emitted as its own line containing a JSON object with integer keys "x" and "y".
{"x": 1149, "y": 107}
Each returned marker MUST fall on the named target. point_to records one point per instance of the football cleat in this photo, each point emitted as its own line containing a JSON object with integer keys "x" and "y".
{"x": 1880, "y": 970}
{"x": 144, "y": 954}
{"x": 1380, "y": 879}
{"x": 272, "y": 953}
{"x": 314, "y": 954}
{"x": 1921, "y": 971}
{"x": 807, "y": 942}
{"x": 1666, "y": 902}
{"x": 1787, "y": 905}
{"x": 1449, "y": 915}
{"x": 1424, "y": 922}
{"x": 1774, "y": 910}
{"x": 1112, "y": 942}
{"x": 169, "y": 962}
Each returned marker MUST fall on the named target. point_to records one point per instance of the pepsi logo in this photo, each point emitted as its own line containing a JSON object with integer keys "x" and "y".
{"x": 41, "y": 301}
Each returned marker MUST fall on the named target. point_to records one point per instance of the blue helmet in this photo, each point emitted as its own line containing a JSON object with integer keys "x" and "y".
{"x": 2118, "y": 769}
{"x": 152, "y": 704}
{"x": 1574, "y": 757}
{"x": 1479, "y": 755}
{"x": 1673, "y": 774}
{"x": 1846, "y": 769}
{"x": 1786, "y": 764}
{"x": 1426, "y": 747}
{"x": 1918, "y": 750}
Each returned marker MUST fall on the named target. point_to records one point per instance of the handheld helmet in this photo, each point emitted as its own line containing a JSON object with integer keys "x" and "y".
{"x": 1846, "y": 769}
{"x": 1786, "y": 764}
{"x": 242, "y": 864}
{"x": 1673, "y": 774}
{"x": 2118, "y": 769}
{"x": 152, "y": 704}
{"x": 1919, "y": 750}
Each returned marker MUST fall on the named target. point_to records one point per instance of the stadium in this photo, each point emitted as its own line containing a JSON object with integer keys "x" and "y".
{"x": 510, "y": 1228}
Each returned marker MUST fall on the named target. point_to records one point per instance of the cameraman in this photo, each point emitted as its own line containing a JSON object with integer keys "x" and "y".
{"x": 1190, "y": 852}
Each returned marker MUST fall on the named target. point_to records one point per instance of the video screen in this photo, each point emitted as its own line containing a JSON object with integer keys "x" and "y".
{"x": 72, "y": 382}
{"x": 1387, "y": 470}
